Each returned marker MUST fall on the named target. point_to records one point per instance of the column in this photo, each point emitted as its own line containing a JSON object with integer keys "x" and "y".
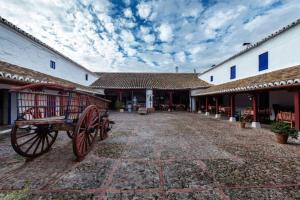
{"x": 170, "y": 100}
{"x": 193, "y": 104}
{"x": 218, "y": 115}
{"x": 120, "y": 96}
{"x": 199, "y": 105}
{"x": 206, "y": 106}
{"x": 297, "y": 110}
{"x": 232, "y": 108}
{"x": 255, "y": 123}
{"x": 149, "y": 98}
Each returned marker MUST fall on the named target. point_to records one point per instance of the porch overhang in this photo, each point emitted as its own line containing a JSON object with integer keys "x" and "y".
{"x": 288, "y": 78}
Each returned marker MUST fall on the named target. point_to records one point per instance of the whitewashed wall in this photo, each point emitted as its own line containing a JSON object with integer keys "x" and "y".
{"x": 284, "y": 51}
{"x": 149, "y": 98}
{"x": 19, "y": 50}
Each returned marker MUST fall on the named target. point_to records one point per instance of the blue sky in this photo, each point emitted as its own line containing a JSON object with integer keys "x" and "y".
{"x": 152, "y": 35}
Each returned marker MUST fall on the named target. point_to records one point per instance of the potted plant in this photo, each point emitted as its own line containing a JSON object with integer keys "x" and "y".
{"x": 119, "y": 106}
{"x": 283, "y": 131}
{"x": 242, "y": 122}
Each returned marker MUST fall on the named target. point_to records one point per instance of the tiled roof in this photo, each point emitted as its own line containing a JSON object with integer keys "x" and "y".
{"x": 276, "y": 79}
{"x": 31, "y": 37}
{"x": 22, "y": 75}
{"x": 254, "y": 45}
{"x": 149, "y": 81}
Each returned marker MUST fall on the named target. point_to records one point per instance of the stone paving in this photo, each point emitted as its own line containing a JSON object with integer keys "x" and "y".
{"x": 159, "y": 156}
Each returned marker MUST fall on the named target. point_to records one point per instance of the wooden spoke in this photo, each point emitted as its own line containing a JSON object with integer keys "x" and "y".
{"x": 32, "y": 141}
{"x": 85, "y": 131}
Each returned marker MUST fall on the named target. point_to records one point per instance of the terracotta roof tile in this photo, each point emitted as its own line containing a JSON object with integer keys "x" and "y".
{"x": 149, "y": 80}
{"x": 22, "y": 75}
{"x": 278, "y": 78}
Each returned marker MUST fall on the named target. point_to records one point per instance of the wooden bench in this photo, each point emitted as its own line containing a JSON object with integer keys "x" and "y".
{"x": 287, "y": 117}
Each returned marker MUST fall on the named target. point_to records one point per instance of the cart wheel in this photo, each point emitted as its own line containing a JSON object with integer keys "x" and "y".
{"x": 85, "y": 132}
{"x": 104, "y": 129}
{"x": 32, "y": 141}
{"x": 70, "y": 134}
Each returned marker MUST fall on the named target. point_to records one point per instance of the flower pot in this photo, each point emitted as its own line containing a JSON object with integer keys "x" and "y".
{"x": 242, "y": 125}
{"x": 281, "y": 138}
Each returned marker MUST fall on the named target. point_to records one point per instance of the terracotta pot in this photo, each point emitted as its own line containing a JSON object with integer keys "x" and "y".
{"x": 281, "y": 138}
{"x": 242, "y": 124}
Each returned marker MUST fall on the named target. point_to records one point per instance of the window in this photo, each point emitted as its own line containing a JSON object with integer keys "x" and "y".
{"x": 86, "y": 77}
{"x": 211, "y": 78}
{"x": 263, "y": 61}
{"x": 52, "y": 64}
{"x": 233, "y": 72}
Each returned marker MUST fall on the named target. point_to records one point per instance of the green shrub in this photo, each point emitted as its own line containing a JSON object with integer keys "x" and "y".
{"x": 118, "y": 105}
{"x": 285, "y": 129}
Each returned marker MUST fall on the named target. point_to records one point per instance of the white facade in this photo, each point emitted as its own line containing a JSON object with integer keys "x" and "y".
{"x": 283, "y": 52}
{"x": 20, "y": 50}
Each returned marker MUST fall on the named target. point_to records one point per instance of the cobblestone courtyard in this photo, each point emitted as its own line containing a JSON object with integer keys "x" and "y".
{"x": 159, "y": 156}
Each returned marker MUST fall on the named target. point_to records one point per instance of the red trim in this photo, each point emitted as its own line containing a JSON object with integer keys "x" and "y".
{"x": 297, "y": 109}
{"x": 255, "y": 108}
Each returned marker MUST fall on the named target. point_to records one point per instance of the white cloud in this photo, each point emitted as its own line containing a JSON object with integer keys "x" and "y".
{"x": 144, "y": 10}
{"x": 79, "y": 32}
{"x": 181, "y": 57}
{"x": 127, "y": 36}
{"x": 128, "y": 13}
{"x": 196, "y": 49}
{"x": 165, "y": 32}
{"x": 149, "y": 38}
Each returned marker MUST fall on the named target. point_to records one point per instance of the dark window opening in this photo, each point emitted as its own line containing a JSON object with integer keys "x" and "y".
{"x": 233, "y": 72}
{"x": 211, "y": 78}
{"x": 263, "y": 61}
{"x": 52, "y": 64}
{"x": 86, "y": 77}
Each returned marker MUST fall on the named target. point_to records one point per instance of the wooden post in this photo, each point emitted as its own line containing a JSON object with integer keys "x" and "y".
{"x": 199, "y": 104}
{"x": 254, "y": 107}
{"x": 206, "y": 105}
{"x": 120, "y": 96}
{"x": 217, "y": 105}
{"x": 232, "y": 105}
{"x": 170, "y": 99}
{"x": 297, "y": 109}
{"x": 255, "y": 122}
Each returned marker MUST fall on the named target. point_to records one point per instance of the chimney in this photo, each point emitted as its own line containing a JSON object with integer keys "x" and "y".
{"x": 176, "y": 69}
{"x": 246, "y": 44}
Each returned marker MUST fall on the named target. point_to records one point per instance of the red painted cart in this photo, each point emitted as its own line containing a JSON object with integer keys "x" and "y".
{"x": 45, "y": 109}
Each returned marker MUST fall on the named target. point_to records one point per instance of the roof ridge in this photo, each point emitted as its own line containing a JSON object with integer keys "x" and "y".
{"x": 31, "y": 37}
{"x": 256, "y": 44}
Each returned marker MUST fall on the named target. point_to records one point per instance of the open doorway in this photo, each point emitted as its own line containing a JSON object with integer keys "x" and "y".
{"x": 4, "y": 107}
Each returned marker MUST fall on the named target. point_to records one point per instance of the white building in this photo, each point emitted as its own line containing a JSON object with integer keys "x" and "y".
{"x": 262, "y": 80}
{"x": 22, "y": 49}
{"x": 25, "y": 59}
{"x": 277, "y": 51}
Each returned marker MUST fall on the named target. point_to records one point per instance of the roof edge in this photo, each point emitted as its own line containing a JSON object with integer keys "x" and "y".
{"x": 256, "y": 44}
{"x": 34, "y": 39}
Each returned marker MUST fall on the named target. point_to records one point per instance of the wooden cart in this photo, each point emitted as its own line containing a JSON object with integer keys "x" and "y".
{"x": 45, "y": 109}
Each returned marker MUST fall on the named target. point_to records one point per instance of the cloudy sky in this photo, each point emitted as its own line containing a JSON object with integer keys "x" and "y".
{"x": 152, "y": 35}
